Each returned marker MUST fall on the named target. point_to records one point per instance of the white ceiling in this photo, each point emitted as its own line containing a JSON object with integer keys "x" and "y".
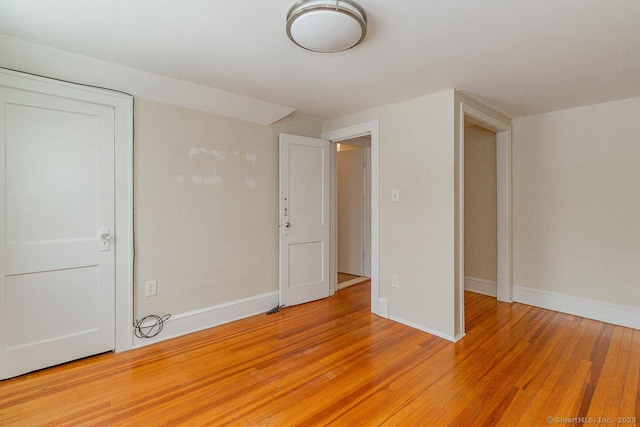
{"x": 521, "y": 57}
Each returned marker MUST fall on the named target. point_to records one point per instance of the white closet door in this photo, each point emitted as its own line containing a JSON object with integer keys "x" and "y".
{"x": 57, "y": 284}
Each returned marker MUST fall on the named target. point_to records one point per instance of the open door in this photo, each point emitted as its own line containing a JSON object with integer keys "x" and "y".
{"x": 304, "y": 219}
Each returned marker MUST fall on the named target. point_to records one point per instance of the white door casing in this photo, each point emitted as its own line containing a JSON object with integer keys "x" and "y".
{"x": 57, "y": 224}
{"x": 367, "y": 212}
{"x": 379, "y": 305}
{"x": 504, "y": 203}
{"x": 304, "y": 219}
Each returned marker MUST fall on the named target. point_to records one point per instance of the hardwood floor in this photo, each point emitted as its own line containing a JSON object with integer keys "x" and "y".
{"x": 332, "y": 362}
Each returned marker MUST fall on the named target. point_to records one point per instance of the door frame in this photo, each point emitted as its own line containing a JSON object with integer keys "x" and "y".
{"x": 373, "y": 129}
{"x": 504, "y": 203}
{"x": 123, "y": 173}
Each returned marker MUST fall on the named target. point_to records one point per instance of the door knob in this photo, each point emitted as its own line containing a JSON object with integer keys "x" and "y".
{"x": 105, "y": 238}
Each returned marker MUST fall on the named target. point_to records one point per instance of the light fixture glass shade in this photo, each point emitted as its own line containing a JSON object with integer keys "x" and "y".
{"x": 326, "y": 25}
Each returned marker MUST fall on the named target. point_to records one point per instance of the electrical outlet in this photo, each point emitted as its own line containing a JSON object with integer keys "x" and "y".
{"x": 395, "y": 195}
{"x": 395, "y": 281}
{"x": 152, "y": 288}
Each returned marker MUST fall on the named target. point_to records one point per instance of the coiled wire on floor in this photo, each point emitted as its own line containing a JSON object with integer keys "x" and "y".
{"x": 150, "y": 325}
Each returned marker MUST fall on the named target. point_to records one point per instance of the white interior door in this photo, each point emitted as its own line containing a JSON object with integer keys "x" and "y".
{"x": 57, "y": 284}
{"x": 304, "y": 219}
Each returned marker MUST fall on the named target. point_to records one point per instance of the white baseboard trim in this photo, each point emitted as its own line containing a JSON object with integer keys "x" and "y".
{"x": 423, "y": 329}
{"x": 590, "y": 309}
{"x": 459, "y": 336}
{"x": 383, "y": 308}
{"x": 481, "y": 286}
{"x": 197, "y": 320}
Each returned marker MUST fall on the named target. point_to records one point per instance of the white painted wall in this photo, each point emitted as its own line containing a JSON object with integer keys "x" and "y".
{"x": 416, "y": 233}
{"x": 576, "y": 193}
{"x": 206, "y": 199}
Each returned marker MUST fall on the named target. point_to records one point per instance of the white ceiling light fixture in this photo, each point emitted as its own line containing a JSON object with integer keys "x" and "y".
{"x": 326, "y": 26}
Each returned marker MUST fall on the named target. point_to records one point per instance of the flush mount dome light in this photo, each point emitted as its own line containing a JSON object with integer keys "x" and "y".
{"x": 326, "y": 26}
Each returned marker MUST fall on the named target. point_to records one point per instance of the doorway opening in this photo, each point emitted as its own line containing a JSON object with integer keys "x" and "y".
{"x": 503, "y": 280}
{"x": 353, "y": 157}
{"x": 480, "y": 210}
{"x": 371, "y": 129}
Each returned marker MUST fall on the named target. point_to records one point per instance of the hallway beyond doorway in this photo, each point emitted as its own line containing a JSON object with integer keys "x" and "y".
{"x": 345, "y": 280}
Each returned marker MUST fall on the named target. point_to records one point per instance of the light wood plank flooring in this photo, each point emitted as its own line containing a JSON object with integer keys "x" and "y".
{"x": 332, "y": 362}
